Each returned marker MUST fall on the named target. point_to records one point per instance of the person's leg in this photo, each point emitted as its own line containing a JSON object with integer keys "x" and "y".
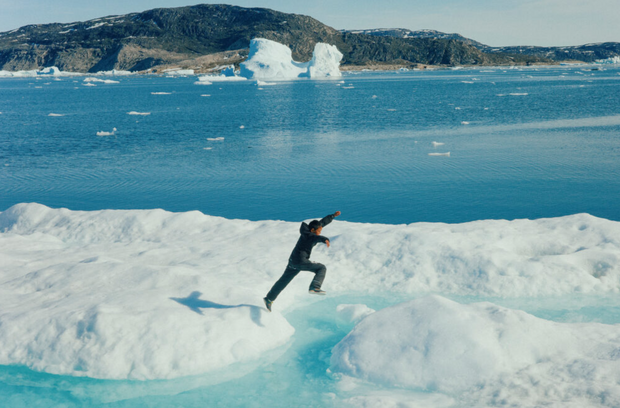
{"x": 319, "y": 273}
{"x": 285, "y": 279}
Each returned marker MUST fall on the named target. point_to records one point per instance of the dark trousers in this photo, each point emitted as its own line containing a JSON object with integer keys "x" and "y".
{"x": 292, "y": 270}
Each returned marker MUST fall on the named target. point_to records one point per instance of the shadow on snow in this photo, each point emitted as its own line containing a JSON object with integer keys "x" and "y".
{"x": 195, "y": 304}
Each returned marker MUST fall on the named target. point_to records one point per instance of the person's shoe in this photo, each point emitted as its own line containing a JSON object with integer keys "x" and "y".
{"x": 268, "y": 303}
{"x": 316, "y": 291}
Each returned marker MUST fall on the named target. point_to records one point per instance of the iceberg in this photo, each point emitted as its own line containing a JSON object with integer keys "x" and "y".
{"x": 45, "y": 72}
{"x": 610, "y": 60}
{"x": 271, "y": 60}
{"x": 483, "y": 354}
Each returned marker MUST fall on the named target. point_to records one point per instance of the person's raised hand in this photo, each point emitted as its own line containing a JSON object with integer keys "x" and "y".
{"x": 337, "y": 213}
{"x": 327, "y": 243}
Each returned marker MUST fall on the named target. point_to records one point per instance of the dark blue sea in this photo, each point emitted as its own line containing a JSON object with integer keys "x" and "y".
{"x": 522, "y": 143}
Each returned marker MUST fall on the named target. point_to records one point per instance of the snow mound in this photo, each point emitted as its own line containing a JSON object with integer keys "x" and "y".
{"x": 272, "y": 60}
{"x": 483, "y": 353}
{"x": 107, "y": 304}
{"x": 353, "y": 313}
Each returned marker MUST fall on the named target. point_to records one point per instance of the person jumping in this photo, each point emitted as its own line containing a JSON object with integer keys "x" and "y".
{"x": 300, "y": 259}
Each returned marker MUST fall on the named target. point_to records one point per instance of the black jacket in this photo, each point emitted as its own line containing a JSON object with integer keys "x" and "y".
{"x": 307, "y": 241}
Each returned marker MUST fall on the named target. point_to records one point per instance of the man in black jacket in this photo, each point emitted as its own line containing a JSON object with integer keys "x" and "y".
{"x": 300, "y": 259}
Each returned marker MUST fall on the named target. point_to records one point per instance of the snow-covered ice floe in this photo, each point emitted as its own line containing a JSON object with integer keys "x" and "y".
{"x": 446, "y": 154}
{"x": 209, "y": 79}
{"x": 104, "y": 133}
{"x": 178, "y": 72}
{"x": 271, "y": 60}
{"x": 103, "y": 81}
{"x": 263, "y": 83}
{"x": 45, "y": 72}
{"x": 483, "y": 354}
{"x": 147, "y": 294}
{"x": 134, "y": 113}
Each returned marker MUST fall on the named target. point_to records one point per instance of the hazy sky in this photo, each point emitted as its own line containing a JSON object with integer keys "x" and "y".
{"x": 493, "y": 22}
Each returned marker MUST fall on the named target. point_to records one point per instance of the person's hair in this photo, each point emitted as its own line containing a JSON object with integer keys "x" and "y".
{"x": 314, "y": 224}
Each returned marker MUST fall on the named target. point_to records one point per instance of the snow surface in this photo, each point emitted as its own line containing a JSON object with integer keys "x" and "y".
{"x": 148, "y": 294}
{"x": 116, "y": 294}
{"x": 353, "y": 313}
{"x": 271, "y": 60}
{"x": 484, "y": 354}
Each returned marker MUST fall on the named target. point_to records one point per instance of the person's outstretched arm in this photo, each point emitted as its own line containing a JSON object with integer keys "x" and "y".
{"x": 326, "y": 220}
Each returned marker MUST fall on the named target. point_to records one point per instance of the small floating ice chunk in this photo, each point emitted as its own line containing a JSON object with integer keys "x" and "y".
{"x": 56, "y": 114}
{"x": 207, "y": 148}
{"x": 213, "y": 139}
{"x": 464, "y": 123}
{"x": 374, "y": 97}
{"x": 447, "y": 154}
{"x": 457, "y": 108}
{"x": 519, "y": 94}
{"x": 348, "y": 87}
{"x": 104, "y": 81}
{"x": 208, "y": 79}
{"x": 263, "y": 83}
{"x": 391, "y": 110}
{"x": 467, "y": 82}
{"x": 161, "y": 93}
{"x": 205, "y": 95}
{"x": 435, "y": 144}
{"x": 241, "y": 127}
{"x": 139, "y": 113}
{"x": 103, "y": 133}
{"x": 89, "y": 84}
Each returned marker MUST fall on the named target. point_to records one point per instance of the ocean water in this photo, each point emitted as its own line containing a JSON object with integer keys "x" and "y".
{"x": 523, "y": 143}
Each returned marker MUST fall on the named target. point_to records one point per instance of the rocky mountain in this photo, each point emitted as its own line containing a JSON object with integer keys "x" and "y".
{"x": 404, "y": 33}
{"x": 206, "y": 35}
{"x": 585, "y": 53}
